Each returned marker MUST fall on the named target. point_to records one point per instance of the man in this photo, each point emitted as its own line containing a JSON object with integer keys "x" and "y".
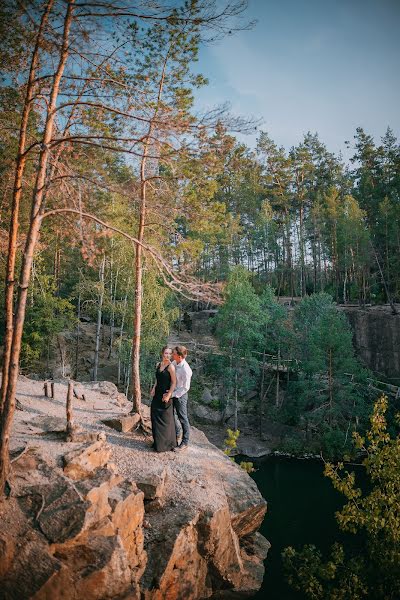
{"x": 180, "y": 397}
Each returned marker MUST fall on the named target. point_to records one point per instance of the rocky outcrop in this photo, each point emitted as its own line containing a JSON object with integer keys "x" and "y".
{"x": 113, "y": 519}
{"x": 125, "y": 423}
{"x": 205, "y": 414}
{"x": 71, "y": 536}
{"x": 376, "y": 338}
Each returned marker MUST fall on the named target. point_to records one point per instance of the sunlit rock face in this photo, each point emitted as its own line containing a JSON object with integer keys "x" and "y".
{"x": 84, "y": 531}
{"x": 112, "y": 519}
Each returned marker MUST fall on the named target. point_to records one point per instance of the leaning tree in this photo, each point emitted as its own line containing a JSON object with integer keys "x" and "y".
{"x": 113, "y": 78}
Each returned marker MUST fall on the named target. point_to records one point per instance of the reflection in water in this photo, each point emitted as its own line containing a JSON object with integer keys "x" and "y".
{"x": 301, "y": 510}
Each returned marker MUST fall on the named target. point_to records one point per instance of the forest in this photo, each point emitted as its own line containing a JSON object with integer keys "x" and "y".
{"x": 123, "y": 204}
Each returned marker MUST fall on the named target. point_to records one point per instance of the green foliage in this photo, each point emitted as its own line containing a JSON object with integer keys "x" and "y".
{"x": 241, "y": 309}
{"x": 159, "y": 311}
{"x": 247, "y": 466}
{"x": 372, "y": 515}
{"x": 239, "y": 330}
{"x": 215, "y": 404}
{"x": 231, "y": 441}
{"x": 318, "y": 580}
{"x": 292, "y": 445}
{"x": 277, "y": 333}
{"x": 329, "y": 389}
{"x": 47, "y": 315}
{"x": 231, "y": 445}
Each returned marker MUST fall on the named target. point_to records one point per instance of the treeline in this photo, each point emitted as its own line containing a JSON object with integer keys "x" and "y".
{"x": 329, "y": 236}
{"x": 304, "y": 221}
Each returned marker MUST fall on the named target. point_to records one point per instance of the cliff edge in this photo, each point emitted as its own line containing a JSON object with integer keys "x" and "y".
{"x": 104, "y": 516}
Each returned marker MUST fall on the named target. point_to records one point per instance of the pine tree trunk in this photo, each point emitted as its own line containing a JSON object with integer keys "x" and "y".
{"x": 78, "y": 332}
{"x": 69, "y": 410}
{"x": 17, "y": 193}
{"x": 235, "y": 424}
{"x": 121, "y": 331}
{"x": 289, "y": 257}
{"x": 7, "y": 414}
{"x": 99, "y": 316}
{"x": 113, "y": 301}
{"x": 137, "y": 320}
{"x": 302, "y": 262}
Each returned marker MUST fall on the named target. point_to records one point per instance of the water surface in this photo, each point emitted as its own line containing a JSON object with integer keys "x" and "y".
{"x": 301, "y": 507}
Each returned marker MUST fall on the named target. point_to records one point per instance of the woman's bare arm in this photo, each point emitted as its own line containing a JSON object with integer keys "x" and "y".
{"x": 168, "y": 395}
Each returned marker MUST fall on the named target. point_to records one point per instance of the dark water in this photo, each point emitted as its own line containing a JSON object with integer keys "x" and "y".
{"x": 301, "y": 507}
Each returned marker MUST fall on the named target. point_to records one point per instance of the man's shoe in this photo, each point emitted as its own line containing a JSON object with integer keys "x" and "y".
{"x": 181, "y": 447}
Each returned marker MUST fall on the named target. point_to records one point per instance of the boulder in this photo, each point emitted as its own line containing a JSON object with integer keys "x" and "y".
{"x": 124, "y": 423}
{"x": 59, "y": 508}
{"x": 152, "y": 482}
{"x": 29, "y": 470}
{"x": 63, "y": 511}
{"x": 82, "y": 461}
{"x": 80, "y": 436}
{"x": 253, "y": 547}
{"x": 205, "y": 413}
{"x": 121, "y": 399}
{"x": 206, "y": 396}
{"x": 253, "y": 448}
{"x": 69, "y": 539}
{"x": 33, "y": 567}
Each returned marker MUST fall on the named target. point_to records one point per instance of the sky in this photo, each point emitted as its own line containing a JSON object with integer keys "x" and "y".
{"x": 311, "y": 65}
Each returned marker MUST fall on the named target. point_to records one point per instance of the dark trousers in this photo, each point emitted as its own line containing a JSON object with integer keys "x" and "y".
{"x": 181, "y": 418}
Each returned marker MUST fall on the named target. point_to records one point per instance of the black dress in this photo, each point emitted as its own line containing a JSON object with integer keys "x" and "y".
{"x": 162, "y": 414}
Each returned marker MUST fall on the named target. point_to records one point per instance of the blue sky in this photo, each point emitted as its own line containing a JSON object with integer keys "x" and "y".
{"x": 311, "y": 65}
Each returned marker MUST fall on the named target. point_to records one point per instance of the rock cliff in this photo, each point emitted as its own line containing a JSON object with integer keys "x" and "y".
{"x": 106, "y": 517}
{"x": 376, "y": 338}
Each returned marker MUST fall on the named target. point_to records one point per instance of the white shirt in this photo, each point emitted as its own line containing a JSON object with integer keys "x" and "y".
{"x": 183, "y": 377}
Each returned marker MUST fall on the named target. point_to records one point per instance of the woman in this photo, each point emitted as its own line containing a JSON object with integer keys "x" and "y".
{"x": 162, "y": 410}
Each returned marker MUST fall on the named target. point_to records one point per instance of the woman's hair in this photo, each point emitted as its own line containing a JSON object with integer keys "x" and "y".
{"x": 163, "y": 349}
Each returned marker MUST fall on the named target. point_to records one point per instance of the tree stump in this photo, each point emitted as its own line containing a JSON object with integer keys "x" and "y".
{"x": 70, "y": 418}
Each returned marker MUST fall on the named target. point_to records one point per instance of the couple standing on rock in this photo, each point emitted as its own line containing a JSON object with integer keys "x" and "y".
{"x": 169, "y": 400}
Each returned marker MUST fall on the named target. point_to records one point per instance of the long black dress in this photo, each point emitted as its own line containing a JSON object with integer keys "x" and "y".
{"x": 162, "y": 414}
